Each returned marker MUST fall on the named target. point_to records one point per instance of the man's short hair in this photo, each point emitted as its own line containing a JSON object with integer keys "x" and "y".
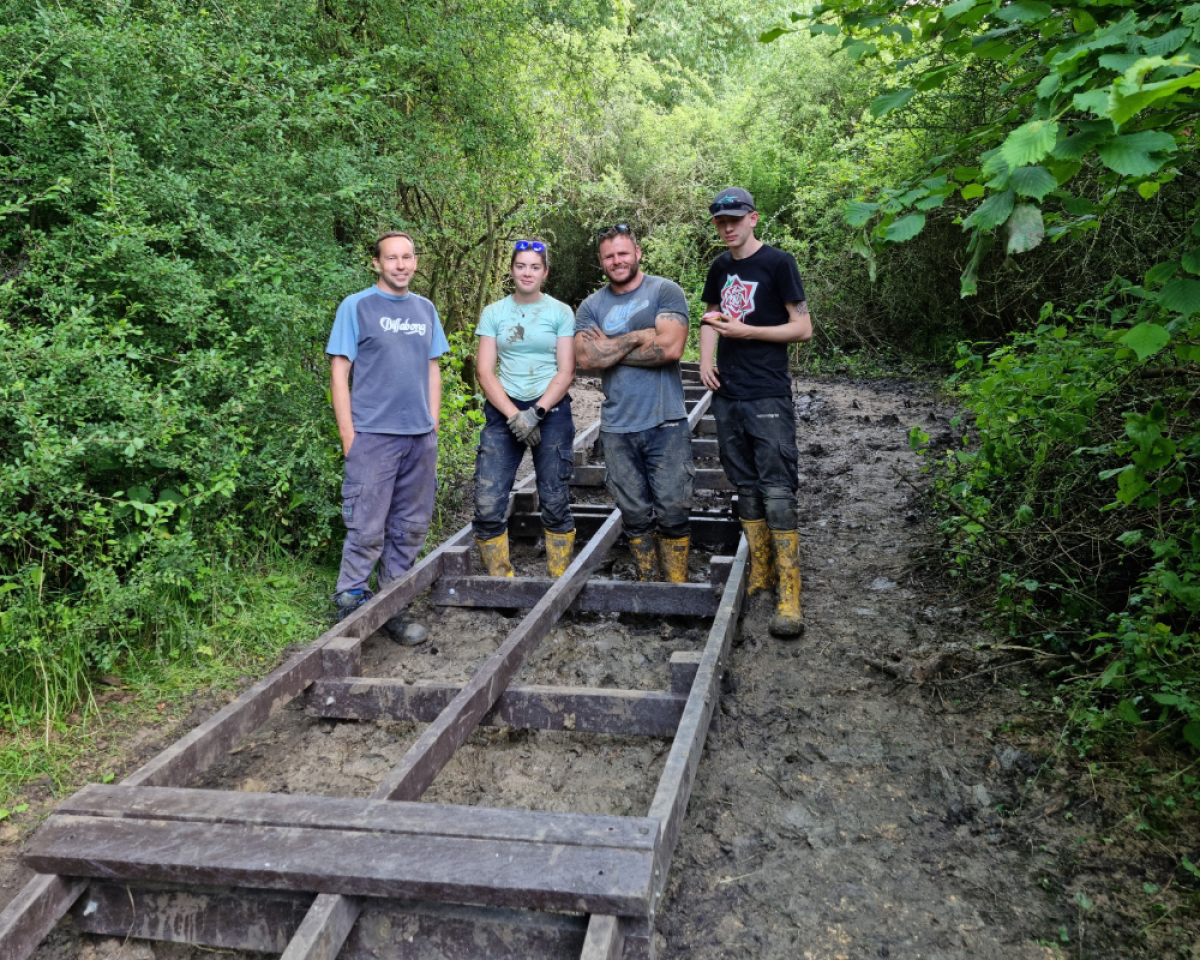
{"x": 605, "y": 234}
{"x": 387, "y": 236}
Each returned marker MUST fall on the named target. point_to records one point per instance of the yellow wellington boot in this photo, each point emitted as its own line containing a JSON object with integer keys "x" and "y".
{"x": 495, "y": 555}
{"x": 674, "y": 557}
{"x": 787, "y": 622}
{"x": 762, "y": 557}
{"x": 559, "y": 549}
{"x": 645, "y": 556}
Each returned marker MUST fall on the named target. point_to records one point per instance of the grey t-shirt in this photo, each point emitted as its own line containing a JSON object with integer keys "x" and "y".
{"x": 636, "y": 398}
{"x": 390, "y": 341}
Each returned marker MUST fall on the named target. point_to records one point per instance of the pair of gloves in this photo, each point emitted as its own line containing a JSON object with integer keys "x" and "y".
{"x": 526, "y": 426}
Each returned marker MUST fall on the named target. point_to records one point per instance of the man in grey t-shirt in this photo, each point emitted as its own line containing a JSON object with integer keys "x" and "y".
{"x": 633, "y": 331}
{"x": 389, "y": 339}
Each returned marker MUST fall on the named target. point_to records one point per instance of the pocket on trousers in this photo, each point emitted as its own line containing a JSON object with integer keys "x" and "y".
{"x": 350, "y": 496}
{"x": 566, "y": 463}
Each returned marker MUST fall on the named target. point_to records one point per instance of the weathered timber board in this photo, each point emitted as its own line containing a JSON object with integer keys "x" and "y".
{"x": 675, "y": 785}
{"x": 119, "y": 802}
{"x": 643, "y": 713}
{"x": 605, "y": 939}
{"x": 266, "y": 920}
{"x": 605, "y": 596}
{"x": 500, "y": 873}
{"x": 34, "y": 911}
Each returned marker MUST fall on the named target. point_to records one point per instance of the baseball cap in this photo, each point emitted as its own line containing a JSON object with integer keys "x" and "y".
{"x": 733, "y": 201}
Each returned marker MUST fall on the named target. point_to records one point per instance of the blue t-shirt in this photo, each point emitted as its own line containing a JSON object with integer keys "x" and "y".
{"x": 636, "y": 398}
{"x": 389, "y": 340}
{"x": 526, "y": 342}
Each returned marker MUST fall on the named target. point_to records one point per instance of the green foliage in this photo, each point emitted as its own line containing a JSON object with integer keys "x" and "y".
{"x": 185, "y": 195}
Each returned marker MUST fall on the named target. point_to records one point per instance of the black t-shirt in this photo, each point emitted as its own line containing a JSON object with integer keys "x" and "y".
{"x": 756, "y": 291}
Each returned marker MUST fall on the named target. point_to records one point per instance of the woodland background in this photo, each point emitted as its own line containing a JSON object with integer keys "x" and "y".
{"x": 1001, "y": 194}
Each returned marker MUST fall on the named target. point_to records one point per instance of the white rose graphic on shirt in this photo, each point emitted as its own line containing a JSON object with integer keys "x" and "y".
{"x": 737, "y": 297}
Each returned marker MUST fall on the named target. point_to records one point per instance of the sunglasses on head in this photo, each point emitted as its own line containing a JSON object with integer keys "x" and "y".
{"x": 535, "y": 245}
{"x": 606, "y": 233}
{"x": 725, "y": 203}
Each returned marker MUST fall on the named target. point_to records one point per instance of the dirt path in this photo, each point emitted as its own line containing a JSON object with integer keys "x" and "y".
{"x": 839, "y": 812}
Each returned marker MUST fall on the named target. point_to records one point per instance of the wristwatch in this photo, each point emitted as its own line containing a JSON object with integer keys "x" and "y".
{"x": 541, "y": 414}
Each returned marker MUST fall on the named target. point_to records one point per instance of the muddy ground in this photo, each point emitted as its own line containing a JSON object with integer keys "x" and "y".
{"x": 864, "y": 794}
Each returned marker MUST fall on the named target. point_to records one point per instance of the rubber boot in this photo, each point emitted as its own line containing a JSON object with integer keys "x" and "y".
{"x": 559, "y": 549}
{"x": 645, "y": 556}
{"x": 495, "y": 555}
{"x": 763, "y": 575}
{"x": 674, "y": 557}
{"x": 787, "y": 622}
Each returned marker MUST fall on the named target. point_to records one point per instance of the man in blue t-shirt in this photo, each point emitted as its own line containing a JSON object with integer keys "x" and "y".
{"x": 389, "y": 339}
{"x": 634, "y": 330}
{"x": 756, "y": 307}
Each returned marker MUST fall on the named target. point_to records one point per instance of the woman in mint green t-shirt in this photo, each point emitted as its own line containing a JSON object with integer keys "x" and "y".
{"x": 525, "y": 366}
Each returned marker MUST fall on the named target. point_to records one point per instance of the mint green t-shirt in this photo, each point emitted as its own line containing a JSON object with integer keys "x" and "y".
{"x": 526, "y": 340}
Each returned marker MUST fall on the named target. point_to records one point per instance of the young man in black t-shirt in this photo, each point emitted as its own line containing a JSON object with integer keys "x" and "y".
{"x": 756, "y": 307}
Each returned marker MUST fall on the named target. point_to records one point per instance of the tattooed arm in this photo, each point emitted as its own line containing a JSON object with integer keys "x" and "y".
{"x": 595, "y": 351}
{"x": 670, "y": 337}
{"x": 797, "y": 330}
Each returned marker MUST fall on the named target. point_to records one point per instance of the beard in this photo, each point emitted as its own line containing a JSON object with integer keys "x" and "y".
{"x": 626, "y": 273}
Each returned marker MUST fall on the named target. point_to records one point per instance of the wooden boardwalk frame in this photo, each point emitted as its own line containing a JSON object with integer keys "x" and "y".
{"x": 315, "y": 878}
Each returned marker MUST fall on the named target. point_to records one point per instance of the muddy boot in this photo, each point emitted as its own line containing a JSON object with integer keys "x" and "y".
{"x": 645, "y": 555}
{"x": 559, "y": 549}
{"x": 495, "y": 555}
{"x": 762, "y": 557}
{"x": 674, "y": 557}
{"x": 787, "y": 622}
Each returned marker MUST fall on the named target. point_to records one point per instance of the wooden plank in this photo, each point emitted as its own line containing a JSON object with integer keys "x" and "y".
{"x": 705, "y": 448}
{"x": 605, "y": 940}
{"x": 707, "y": 478}
{"x": 433, "y": 749}
{"x": 265, "y": 920}
{"x": 675, "y": 786}
{"x": 324, "y": 928}
{"x": 503, "y": 873}
{"x": 457, "y": 562}
{"x": 697, "y": 415}
{"x": 34, "y": 911}
{"x": 642, "y": 713}
{"x": 342, "y": 657}
{"x": 115, "y": 802}
{"x": 707, "y": 427}
{"x": 606, "y": 596}
{"x": 684, "y": 664}
{"x": 718, "y": 572}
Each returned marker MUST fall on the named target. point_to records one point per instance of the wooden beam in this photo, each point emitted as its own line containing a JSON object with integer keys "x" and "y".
{"x": 642, "y": 713}
{"x": 265, "y": 920}
{"x": 697, "y": 415}
{"x": 707, "y": 427}
{"x": 675, "y": 786}
{"x": 704, "y": 448}
{"x": 707, "y": 478}
{"x": 34, "y": 911}
{"x": 607, "y": 596}
{"x": 495, "y": 872}
{"x": 605, "y": 940}
{"x": 375, "y": 817}
{"x": 684, "y": 664}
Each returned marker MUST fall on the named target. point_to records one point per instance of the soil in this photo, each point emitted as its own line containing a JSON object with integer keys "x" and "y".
{"x": 862, "y": 795}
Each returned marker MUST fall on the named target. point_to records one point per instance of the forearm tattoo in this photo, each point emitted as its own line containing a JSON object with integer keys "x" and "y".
{"x": 798, "y": 310}
{"x": 652, "y": 354}
{"x": 605, "y": 353}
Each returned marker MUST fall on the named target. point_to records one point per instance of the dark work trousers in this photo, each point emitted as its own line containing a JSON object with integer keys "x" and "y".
{"x": 651, "y": 476}
{"x": 757, "y": 441}
{"x": 387, "y": 503}
{"x": 499, "y": 454}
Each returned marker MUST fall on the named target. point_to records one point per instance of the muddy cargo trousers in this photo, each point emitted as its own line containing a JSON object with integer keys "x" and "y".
{"x": 651, "y": 476}
{"x": 757, "y": 442}
{"x": 387, "y": 504}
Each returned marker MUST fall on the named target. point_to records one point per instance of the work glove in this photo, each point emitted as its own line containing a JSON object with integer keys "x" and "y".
{"x": 523, "y": 423}
{"x": 534, "y": 438}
